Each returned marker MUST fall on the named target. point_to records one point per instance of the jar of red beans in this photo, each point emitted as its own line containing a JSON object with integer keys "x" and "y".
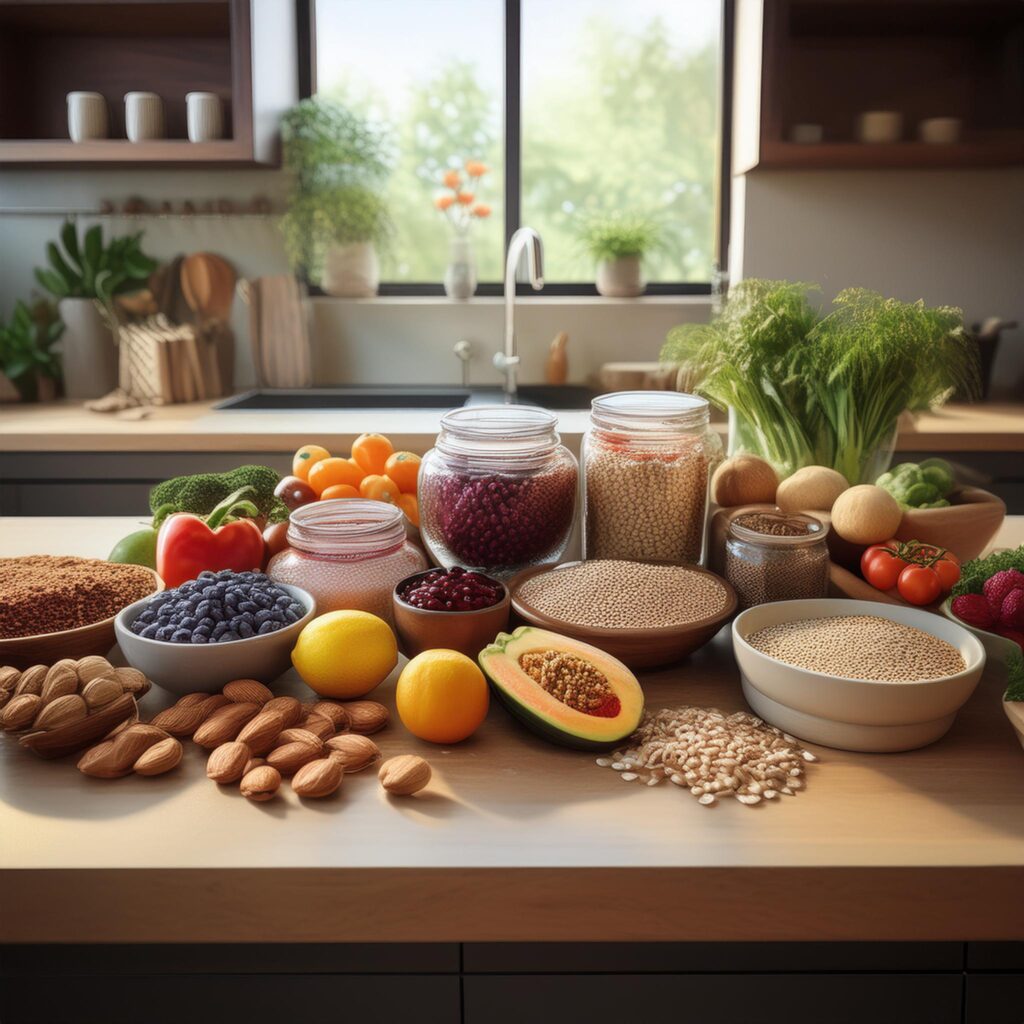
{"x": 497, "y": 492}
{"x": 348, "y": 553}
{"x": 647, "y": 461}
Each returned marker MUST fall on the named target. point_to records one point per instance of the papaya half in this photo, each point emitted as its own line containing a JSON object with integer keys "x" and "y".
{"x": 566, "y": 691}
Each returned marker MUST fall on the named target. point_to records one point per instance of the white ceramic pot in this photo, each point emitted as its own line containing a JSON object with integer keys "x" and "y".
{"x": 88, "y": 350}
{"x": 351, "y": 271}
{"x": 939, "y": 131}
{"x": 205, "y": 116}
{"x": 622, "y": 278}
{"x": 87, "y": 116}
{"x": 460, "y": 274}
{"x": 880, "y": 126}
{"x": 143, "y": 116}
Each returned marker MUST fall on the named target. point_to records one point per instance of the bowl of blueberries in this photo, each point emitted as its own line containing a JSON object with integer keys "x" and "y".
{"x": 218, "y": 627}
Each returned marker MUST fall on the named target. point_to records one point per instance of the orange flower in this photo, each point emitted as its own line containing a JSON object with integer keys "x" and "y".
{"x": 465, "y": 198}
{"x": 481, "y": 210}
{"x": 443, "y": 202}
{"x": 452, "y": 179}
{"x": 475, "y": 169}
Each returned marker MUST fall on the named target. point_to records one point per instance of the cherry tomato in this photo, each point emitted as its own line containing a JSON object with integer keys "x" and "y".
{"x": 947, "y": 570}
{"x": 307, "y": 457}
{"x": 372, "y": 451}
{"x": 881, "y": 566}
{"x": 329, "y": 472}
{"x": 294, "y": 492}
{"x": 379, "y": 488}
{"x": 339, "y": 491}
{"x": 403, "y": 468}
{"x": 919, "y": 584}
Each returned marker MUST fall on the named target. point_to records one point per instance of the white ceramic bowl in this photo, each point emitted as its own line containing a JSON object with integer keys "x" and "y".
{"x": 189, "y": 668}
{"x": 854, "y": 714}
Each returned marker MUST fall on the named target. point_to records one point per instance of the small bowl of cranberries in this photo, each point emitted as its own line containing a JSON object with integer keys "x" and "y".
{"x": 454, "y": 608}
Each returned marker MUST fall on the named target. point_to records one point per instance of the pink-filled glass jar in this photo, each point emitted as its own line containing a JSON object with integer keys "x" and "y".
{"x": 347, "y": 553}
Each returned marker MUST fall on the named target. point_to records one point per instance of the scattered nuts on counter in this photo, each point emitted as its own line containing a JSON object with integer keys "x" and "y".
{"x": 366, "y": 716}
{"x": 404, "y": 775}
{"x": 290, "y": 757}
{"x": 117, "y": 756}
{"x": 318, "y": 725}
{"x": 227, "y": 762}
{"x": 261, "y": 733}
{"x": 289, "y": 708}
{"x": 354, "y": 751}
{"x": 260, "y": 783}
{"x": 336, "y": 713}
{"x": 247, "y": 691}
{"x": 252, "y": 764}
{"x": 224, "y": 724}
{"x": 161, "y": 757}
{"x": 318, "y": 778}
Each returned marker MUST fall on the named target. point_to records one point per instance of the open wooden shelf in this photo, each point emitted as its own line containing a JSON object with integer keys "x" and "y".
{"x": 860, "y": 156}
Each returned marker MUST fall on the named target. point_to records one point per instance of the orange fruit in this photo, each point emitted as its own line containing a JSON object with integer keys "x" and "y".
{"x": 329, "y": 472}
{"x": 441, "y": 696}
{"x": 403, "y": 468}
{"x": 340, "y": 491}
{"x": 410, "y": 506}
{"x": 371, "y": 451}
{"x": 306, "y": 458}
{"x": 379, "y": 488}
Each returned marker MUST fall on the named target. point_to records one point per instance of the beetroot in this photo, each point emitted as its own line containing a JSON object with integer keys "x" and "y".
{"x": 974, "y": 610}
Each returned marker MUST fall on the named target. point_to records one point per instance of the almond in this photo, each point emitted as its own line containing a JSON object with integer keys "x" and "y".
{"x": 318, "y": 778}
{"x": 318, "y": 725}
{"x": 61, "y": 711}
{"x": 227, "y": 762}
{"x": 9, "y": 677}
{"x": 333, "y": 711}
{"x": 247, "y": 691}
{"x": 292, "y": 756}
{"x": 20, "y": 711}
{"x": 61, "y": 680}
{"x": 288, "y": 707}
{"x": 404, "y": 775}
{"x": 131, "y": 744}
{"x": 31, "y": 680}
{"x": 213, "y": 702}
{"x": 252, "y": 764}
{"x": 366, "y": 716}
{"x": 98, "y": 762}
{"x": 132, "y": 680}
{"x": 179, "y": 721}
{"x": 5, "y": 696}
{"x": 101, "y": 691}
{"x": 160, "y": 758}
{"x": 92, "y": 667}
{"x": 190, "y": 700}
{"x": 127, "y": 723}
{"x": 262, "y": 732}
{"x": 297, "y": 735}
{"x": 355, "y": 752}
{"x": 261, "y": 783}
{"x": 224, "y": 724}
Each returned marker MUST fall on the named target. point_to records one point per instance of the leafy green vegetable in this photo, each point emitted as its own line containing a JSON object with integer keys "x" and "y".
{"x": 974, "y": 573}
{"x": 27, "y": 343}
{"x": 613, "y": 236}
{"x": 919, "y": 485}
{"x": 1015, "y": 671}
{"x": 201, "y": 493}
{"x": 810, "y": 390}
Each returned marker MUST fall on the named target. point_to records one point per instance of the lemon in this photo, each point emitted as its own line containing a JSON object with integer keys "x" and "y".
{"x": 442, "y": 696}
{"x": 345, "y": 654}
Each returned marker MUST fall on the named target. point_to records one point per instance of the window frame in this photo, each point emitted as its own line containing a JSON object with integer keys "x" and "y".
{"x": 513, "y": 158}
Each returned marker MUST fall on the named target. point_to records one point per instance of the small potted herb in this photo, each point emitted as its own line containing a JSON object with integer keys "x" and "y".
{"x": 337, "y": 218}
{"x": 27, "y": 356}
{"x": 618, "y": 243}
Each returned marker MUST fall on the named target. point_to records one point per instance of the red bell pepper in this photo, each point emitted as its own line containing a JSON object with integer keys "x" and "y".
{"x": 188, "y": 545}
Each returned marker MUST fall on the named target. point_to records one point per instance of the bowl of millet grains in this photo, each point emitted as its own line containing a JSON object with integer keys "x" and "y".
{"x": 857, "y": 675}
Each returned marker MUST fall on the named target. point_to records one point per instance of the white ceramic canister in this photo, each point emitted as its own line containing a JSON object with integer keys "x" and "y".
{"x": 941, "y": 131}
{"x": 87, "y": 116}
{"x": 143, "y": 116}
{"x": 205, "y": 116}
{"x": 880, "y": 126}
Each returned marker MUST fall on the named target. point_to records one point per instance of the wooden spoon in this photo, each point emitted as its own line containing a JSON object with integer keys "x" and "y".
{"x": 208, "y": 283}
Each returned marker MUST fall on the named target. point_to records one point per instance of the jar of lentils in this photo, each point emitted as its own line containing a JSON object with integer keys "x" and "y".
{"x": 775, "y": 556}
{"x": 348, "y": 553}
{"x": 647, "y": 462}
{"x": 497, "y": 492}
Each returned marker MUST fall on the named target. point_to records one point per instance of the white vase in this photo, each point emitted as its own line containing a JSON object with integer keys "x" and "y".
{"x": 622, "y": 278}
{"x": 204, "y": 116}
{"x": 143, "y": 116}
{"x": 87, "y": 116}
{"x": 351, "y": 271}
{"x": 88, "y": 351}
{"x": 460, "y": 275}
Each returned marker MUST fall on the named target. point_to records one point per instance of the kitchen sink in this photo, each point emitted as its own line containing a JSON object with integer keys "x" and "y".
{"x": 551, "y": 396}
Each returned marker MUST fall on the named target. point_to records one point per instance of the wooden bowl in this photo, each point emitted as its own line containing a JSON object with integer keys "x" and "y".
{"x": 46, "y": 648}
{"x": 637, "y": 648}
{"x": 966, "y": 527}
{"x": 420, "y": 629}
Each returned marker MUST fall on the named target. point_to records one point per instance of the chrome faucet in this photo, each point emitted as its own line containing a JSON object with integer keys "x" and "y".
{"x": 508, "y": 359}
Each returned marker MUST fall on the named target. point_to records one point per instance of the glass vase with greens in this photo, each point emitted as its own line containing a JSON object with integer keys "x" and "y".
{"x": 809, "y": 389}
{"x": 617, "y": 243}
{"x": 337, "y": 218}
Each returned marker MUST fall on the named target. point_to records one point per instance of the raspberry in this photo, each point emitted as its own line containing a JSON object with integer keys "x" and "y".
{"x": 1011, "y": 614}
{"x": 974, "y": 610}
{"x": 998, "y": 586}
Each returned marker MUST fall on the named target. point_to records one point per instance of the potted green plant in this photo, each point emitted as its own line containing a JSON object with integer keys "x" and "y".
{"x": 804, "y": 389}
{"x": 27, "y": 357}
{"x": 337, "y": 218}
{"x": 618, "y": 242}
{"x": 84, "y": 276}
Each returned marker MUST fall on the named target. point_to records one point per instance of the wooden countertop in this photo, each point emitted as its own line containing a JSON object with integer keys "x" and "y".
{"x": 519, "y": 840}
{"x": 66, "y": 426}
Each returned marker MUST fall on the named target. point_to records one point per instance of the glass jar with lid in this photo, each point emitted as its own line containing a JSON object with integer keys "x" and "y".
{"x": 776, "y": 556}
{"x": 647, "y": 463}
{"x": 348, "y": 553}
{"x": 497, "y": 492}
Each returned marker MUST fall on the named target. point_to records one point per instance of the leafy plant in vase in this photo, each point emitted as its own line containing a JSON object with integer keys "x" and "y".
{"x": 27, "y": 356}
{"x": 460, "y": 206}
{"x": 84, "y": 276}
{"x": 618, "y": 243}
{"x": 337, "y": 218}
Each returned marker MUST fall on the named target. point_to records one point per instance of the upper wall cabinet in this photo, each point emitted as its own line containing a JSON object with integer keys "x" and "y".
{"x": 244, "y": 51}
{"x": 806, "y": 71}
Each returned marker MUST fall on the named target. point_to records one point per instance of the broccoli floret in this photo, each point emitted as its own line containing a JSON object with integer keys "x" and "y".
{"x": 202, "y": 492}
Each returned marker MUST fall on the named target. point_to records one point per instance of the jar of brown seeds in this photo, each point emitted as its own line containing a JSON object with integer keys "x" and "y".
{"x": 775, "y": 556}
{"x": 647, "y": 459}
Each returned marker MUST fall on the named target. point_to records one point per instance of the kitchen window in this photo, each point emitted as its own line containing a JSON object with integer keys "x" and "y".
{"x": 578, "y": 108}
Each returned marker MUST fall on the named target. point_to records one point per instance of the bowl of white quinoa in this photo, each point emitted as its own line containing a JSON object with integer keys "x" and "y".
{"x": 857, "y": 675}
